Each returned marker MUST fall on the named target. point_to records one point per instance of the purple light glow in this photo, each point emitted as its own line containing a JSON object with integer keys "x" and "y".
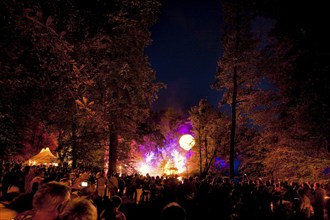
{"x": 185, "y": 128}
{"x": 170, "y": 159}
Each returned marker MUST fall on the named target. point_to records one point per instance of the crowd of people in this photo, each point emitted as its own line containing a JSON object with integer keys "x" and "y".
{"x": 49, "y": 192}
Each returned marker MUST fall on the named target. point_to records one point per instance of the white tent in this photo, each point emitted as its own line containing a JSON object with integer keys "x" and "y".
{"x": 44, "y": 157}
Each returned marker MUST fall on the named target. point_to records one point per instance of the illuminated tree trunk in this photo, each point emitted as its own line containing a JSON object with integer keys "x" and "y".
{"x": 234, "y": 101}
{"x": 113, "y": 150}
{"x": 206, "y": 153}
{"x": 233, "y": 126}
{"x": 200, "y": 154}
{"x": 74, "y": 144}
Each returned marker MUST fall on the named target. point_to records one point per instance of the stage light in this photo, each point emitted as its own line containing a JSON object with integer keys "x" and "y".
{"x": 187, "y": 141}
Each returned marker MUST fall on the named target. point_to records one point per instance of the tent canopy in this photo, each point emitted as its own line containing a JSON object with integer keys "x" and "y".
{"x": 44, "y": 156}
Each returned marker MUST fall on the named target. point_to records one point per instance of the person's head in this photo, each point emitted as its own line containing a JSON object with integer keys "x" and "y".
{"x": 79, "y": 208}
{"x": 317, "y": 185}
{"x": 173, "y": 211}
{"x": 50, "y": 197}
{"x": 301, "y": 192}
{"x": 116, "y": 201}
{"x": 35, "y": 187}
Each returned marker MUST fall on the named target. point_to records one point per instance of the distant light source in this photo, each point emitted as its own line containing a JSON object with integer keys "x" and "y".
{"x": 187, "y": 141}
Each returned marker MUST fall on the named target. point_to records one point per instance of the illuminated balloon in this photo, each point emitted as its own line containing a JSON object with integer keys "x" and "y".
{"x": 187, "y": 141}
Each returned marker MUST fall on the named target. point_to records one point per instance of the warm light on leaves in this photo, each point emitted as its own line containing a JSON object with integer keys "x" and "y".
{"x": 84, "y": 104}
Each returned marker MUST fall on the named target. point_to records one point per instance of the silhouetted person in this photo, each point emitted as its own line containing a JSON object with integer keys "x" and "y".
{"x": 23, "y": 201}
{"x": 173, "y": 211}
{"x": 112, "y": 211}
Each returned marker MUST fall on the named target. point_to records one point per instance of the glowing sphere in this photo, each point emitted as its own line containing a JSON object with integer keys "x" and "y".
{"x": 187, "y": 141}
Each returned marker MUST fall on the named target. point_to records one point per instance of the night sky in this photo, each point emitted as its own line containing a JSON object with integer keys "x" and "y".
{"x": 185, "y": 50}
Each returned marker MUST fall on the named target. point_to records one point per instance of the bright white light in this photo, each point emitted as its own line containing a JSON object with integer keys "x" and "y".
{"x": 144, "y": 169}
{"x": 187, "y": 141}
{"x": 150, "y": 156}
{"x": 179, "y": 161}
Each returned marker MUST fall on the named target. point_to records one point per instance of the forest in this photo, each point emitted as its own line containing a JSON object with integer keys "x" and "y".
{"x": 75, "y": 78}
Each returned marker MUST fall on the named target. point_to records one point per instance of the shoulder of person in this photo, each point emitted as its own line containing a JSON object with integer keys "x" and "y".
{"x": 24, "y": 215}
{"x": 102, "y": 214}
{"x": 121, "y": 216}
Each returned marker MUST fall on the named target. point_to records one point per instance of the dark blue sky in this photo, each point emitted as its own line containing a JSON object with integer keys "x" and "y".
{"x": 185, "y": 50}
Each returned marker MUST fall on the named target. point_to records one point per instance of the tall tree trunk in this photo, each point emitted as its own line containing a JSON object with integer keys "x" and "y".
{"x": 113, "y": 148}
{"x": 233, "y": 103}
{"x": 60, "y": 147}
{"x": 233, "y": 126}
{"x": 200, "y": 153}
{"x": 206, "y": 153}
{"x": 74, "y": 144}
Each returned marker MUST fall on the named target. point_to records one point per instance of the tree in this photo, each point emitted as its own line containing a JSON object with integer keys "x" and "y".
{"x": 237, "y": 75}
{"x": 35, "y": 63}
{"x": 292, "y": 116}
{"x": 60, "y": 55}
{"x": 123, "y": 81}
{"x": 209, "y": 128}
